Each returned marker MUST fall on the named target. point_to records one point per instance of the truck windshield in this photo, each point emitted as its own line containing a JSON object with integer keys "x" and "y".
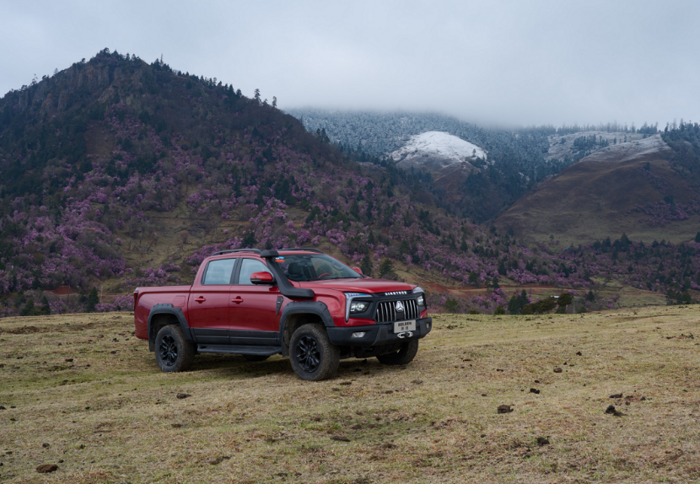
{"x": 307, "y": 267}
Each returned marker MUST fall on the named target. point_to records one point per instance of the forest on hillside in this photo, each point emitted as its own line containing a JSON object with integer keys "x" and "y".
{"x": 90, "y": 155}
{"x": 517, "y": 158}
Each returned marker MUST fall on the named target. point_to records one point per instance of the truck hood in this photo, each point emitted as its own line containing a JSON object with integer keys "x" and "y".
{"x": 368, "y": 285}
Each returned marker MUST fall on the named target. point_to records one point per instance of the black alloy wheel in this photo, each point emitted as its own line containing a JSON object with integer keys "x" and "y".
{"x": 307, "y": 354}
{"x": 311, "y": 353}
{"x": 173, "y": 351}
{"x": 168, "y": 350}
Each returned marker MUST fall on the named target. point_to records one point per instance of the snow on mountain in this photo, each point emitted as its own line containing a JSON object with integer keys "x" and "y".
{"x": 435, "y": 150}
{"x": 638, "y": 148}
{"x": 562, "y": 147}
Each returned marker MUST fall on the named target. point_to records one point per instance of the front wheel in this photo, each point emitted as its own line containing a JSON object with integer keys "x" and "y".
{"x": 312, "y": 354}
{"x": 402, "y": 357}
{"x": 173, "y": 352}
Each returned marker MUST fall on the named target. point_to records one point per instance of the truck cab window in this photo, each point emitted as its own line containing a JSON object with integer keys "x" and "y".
{"x": 248, "y": 267}
{"x": 219, "y": 272}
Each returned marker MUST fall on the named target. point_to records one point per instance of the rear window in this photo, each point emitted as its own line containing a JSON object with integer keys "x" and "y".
{"x": 219, "y": 272}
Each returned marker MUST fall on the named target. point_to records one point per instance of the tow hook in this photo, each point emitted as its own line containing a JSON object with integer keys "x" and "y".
{"x": 405, "y": 334}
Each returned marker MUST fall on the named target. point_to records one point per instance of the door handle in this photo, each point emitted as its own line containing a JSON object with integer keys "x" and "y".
{"x": 200, "y": 299}
{"x": 237, "y": 299}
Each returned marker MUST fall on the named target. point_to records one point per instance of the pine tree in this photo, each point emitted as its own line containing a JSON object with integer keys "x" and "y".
{"x": 624, "y": 240}
{"x": 28, "y": 309}
{"x": 355, "y": 209}
{"x": 45, "y": 308}
{"x": 564, "y": 300}
{"x": 92, "y": 300}
{"x": 366, "y": 266}
{"x": 386, "y": 267}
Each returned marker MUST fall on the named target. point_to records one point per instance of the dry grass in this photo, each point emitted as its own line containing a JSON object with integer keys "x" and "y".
{"x": 110, "y": 415}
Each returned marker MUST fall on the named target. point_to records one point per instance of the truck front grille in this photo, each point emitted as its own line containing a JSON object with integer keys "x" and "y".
{"x": 386, "y": 311}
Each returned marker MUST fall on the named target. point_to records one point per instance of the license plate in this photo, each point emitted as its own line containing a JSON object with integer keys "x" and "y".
{"x": 401, "y": 326}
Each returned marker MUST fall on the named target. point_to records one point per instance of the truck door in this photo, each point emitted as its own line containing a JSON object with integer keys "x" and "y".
{"x": 254, "y": 318}
{"x": 210, "y": 301}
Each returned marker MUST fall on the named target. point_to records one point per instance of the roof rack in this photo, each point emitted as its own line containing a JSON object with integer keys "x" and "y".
{"x": 257, "y": 251}
{"x": 308, "y": 249}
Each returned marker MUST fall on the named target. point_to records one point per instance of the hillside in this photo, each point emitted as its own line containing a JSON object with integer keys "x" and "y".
{"x": 121, "y": 173}
{"x": 117, "y": 173}
{"x": 633, "y": 188}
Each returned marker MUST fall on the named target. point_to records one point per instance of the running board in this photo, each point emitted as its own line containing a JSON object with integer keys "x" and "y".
{"x": 240, "y": 349}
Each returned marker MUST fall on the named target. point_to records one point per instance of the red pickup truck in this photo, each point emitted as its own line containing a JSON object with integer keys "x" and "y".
{"x": 299, "y": 303}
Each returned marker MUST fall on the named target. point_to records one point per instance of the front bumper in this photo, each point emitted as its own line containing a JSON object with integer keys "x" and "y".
{"x": 376, "y": 334}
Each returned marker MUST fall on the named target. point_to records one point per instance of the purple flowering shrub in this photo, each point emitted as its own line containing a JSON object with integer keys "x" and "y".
{"x": 165, "y": 275}
{"x": 120, "y": 303}
{"x": 48, "y": 252}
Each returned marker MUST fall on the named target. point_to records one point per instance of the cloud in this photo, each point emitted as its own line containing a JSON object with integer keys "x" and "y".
{"x": 508, "y": 62}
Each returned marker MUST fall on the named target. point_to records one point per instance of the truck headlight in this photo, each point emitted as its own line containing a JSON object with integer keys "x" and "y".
{"x": 358, "y": 306}
{"x": 421, "y": 297}
{"x": 355, "y": 306}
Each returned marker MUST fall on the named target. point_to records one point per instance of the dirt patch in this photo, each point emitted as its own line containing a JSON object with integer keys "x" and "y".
{"x": 26, "y": 330}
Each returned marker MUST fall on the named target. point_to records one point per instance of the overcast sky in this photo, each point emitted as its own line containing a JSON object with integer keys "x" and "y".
{"x": 508, "y": 62}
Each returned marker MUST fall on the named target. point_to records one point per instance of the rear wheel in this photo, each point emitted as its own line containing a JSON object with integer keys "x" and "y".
{"x": 173, "y": 352}
{"x": 401, "y": 357}
{"x": 312, "y": 354}
{"x": 256, "y": 357}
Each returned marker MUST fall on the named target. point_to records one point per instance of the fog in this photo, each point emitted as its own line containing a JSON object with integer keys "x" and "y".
{"x": 504, "y": 62}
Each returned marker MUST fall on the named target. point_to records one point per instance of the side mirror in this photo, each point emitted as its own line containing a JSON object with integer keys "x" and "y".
{"x": 358, "y": 270}
{"x": 262, "y": 278}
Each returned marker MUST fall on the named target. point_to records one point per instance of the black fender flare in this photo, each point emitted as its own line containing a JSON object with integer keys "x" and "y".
{"x": 166, "y": 308}
{"x": 304, "y": 307}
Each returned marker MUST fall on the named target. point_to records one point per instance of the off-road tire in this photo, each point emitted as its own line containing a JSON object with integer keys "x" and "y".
{"x": 312, "y": 354}
{"x": 173, "y": 352}
{"x": 401, "y": 357}
{"x": 256, "y": 358}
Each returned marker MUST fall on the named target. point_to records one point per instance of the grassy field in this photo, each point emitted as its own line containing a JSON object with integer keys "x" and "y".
{"x": 81, "y": 392}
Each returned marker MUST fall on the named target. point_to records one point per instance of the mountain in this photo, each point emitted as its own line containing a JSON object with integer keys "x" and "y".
{"x": 519, "y": 158}
{"x": 634, "y": 187}
{"x": 116, "y": 173}
{"x": 516, "y": 157}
